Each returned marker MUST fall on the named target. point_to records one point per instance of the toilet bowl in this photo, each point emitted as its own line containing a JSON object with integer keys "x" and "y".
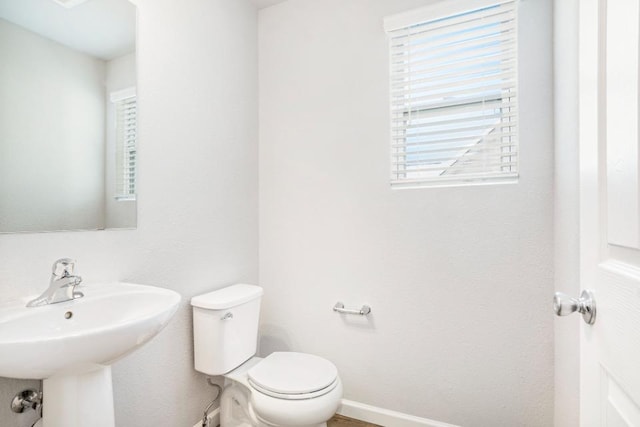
{"x": 285, "y": 389}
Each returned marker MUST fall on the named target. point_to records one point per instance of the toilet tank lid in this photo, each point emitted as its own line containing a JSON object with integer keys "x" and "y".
{"x": 227, "y": 297}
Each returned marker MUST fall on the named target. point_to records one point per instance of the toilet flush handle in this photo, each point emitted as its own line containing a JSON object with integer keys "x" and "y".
{"x": 228, "y": 315}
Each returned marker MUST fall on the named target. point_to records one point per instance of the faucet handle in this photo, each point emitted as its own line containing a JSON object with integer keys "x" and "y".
{"x": 63, "y": 267}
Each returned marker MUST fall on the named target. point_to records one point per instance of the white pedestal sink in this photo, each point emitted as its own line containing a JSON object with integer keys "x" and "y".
{"x": 71, "y": 346}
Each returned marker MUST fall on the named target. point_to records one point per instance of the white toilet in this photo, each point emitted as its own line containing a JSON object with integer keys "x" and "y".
{"x": 284, "y": 389}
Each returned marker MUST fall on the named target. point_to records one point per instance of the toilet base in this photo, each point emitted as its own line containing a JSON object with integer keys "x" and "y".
{"x": 236, "y": 410}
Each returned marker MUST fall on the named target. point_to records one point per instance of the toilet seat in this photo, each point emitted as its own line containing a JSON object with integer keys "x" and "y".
{"x": 293, "y": 376}
{"x": 267, "y": 408}
{"x": 300, "y": 396}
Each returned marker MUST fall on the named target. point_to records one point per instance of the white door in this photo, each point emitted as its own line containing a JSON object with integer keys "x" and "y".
{"x": 610, "y": 211}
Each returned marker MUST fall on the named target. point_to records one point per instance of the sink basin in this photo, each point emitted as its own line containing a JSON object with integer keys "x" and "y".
{"x": 71, "y": 345}
{"x": 109, "y": 322}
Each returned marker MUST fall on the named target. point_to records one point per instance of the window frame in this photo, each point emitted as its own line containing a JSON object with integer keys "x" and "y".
{"x": 407, "y": 22}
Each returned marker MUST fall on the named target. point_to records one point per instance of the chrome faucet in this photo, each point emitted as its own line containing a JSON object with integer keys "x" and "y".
{"x": 62, "y": 286}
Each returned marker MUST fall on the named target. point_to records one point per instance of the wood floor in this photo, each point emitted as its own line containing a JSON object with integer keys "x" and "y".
{"x": 341, "y": 421}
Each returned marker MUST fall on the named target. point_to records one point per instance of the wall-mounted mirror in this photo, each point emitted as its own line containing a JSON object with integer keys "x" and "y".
{"x": 68, "y": 115}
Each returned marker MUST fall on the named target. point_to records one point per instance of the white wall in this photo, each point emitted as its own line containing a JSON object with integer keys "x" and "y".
{"x": 197, "y": 227}
{"x": 566, "y": 213}
{"x": 120, "y": 75}
{"x": 460, "y": 279}
{"x": 51, "y": 134}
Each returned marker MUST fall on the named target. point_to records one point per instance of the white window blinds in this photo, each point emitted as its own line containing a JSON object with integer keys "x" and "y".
{"x": 453, "y": 94}
{"x": 126, "y": 113}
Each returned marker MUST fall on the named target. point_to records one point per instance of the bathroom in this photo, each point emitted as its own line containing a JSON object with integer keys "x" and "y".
{"x": 264, "y": 134}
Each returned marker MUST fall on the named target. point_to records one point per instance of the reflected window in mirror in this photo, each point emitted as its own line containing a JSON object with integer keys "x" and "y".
{"x": 126, "y": 112}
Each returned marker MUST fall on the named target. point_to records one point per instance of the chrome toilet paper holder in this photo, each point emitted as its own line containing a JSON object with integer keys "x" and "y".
{"x": 339, "y": 307}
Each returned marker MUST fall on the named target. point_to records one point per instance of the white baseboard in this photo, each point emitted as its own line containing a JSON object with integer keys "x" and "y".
{"x": 385, "y": 417}
{"x": 214, "y": 419}
{"x": 363, "y": 412}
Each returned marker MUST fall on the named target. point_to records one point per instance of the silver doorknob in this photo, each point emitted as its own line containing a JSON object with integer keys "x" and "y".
{"x": 564, "y": 305}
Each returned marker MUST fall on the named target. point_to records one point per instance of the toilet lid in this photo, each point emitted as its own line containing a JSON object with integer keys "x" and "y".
{"x": 293, "y": 373}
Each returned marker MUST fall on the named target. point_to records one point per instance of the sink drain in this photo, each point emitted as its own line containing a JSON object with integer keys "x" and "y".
{"x": 68, "y": 315}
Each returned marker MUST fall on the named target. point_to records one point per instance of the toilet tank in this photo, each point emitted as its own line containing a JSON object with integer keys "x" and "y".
{"x": 225, "y": 328}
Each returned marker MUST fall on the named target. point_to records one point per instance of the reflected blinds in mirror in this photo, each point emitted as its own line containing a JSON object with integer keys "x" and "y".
{"x": 126, "y": 143}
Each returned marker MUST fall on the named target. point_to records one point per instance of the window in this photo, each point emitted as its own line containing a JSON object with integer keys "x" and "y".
{"x": 126, "y": 113}
{"x": 453, "y": 94}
